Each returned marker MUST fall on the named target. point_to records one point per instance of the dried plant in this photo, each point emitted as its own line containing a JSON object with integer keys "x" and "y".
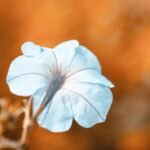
{"x": 9, "y": 114}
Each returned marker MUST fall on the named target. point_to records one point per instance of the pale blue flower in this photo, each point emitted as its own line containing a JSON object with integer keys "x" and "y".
{"x": 67, "y": 80}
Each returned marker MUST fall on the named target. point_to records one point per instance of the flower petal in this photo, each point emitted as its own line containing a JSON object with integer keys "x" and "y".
{"x": 83, "y": 59}
{"x": 57, "y": 115}
{"x": 26, "y": 85}
{"x": 91, "y": 99}
{"x": 30, "y": 49}
{"x": 83, "y": 113}
{"x": 89, "y": 76}
{"x": 27, "y": 74}
{"x": 64, "y": 53}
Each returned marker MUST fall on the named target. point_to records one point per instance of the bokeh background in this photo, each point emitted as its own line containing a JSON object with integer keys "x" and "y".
{"x": 118, "y": 32}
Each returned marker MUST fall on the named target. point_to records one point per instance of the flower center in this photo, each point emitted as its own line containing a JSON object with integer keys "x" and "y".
{"x": 57, "y": 79}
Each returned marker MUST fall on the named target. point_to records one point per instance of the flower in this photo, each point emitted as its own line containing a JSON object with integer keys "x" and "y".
{"x": 66, "y": 80}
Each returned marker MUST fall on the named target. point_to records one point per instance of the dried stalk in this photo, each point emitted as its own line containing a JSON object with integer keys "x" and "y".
{"x": 28, "y": 123}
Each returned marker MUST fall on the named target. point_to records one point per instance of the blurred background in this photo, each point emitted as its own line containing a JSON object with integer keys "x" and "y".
{"x": 118, "y": 32}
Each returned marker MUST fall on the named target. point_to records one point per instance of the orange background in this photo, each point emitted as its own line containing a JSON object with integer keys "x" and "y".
{"x": 118, "y": 32}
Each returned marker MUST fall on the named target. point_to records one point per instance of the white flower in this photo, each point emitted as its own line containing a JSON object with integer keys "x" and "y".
{"x": 66, "y": 80}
